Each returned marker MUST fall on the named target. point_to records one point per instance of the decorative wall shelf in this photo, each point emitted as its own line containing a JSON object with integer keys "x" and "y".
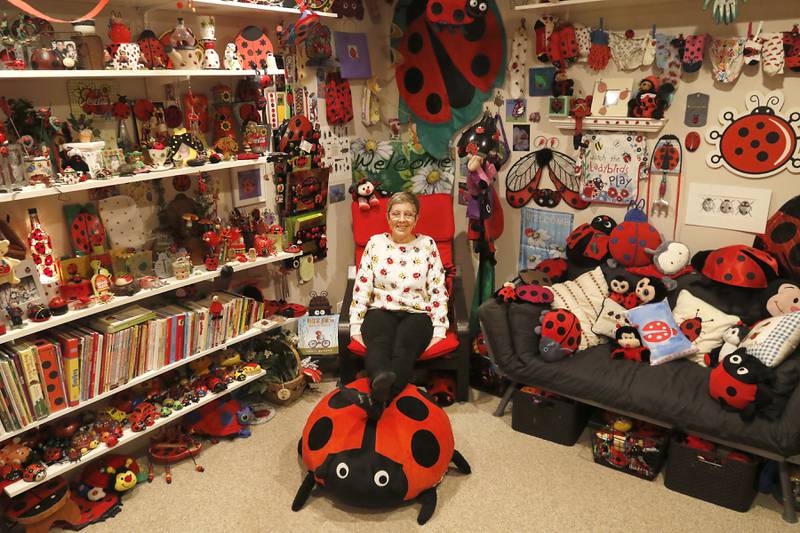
{"x": 200, "y": 275}
{"x": 73, "y": 74}
{"x": 229, "y": 7}
{"x": 38, "y": 191}
{"x": 56, "y": 470}
{"x": 585, "y": 5}
{"x": 259, "y": 328}
{"x": 642, "y": 125}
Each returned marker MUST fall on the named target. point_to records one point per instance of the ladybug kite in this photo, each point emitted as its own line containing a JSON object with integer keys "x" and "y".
{"x": 398, "y": 458}
{"x": 451, "y": 62}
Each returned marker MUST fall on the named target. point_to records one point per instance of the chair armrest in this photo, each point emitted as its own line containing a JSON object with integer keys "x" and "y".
{"x": 344, "y": 314}
{"x": 459, "y": 315}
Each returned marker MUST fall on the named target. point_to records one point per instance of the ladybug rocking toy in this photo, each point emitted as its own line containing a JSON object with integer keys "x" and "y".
{"x": 398, "y": 458}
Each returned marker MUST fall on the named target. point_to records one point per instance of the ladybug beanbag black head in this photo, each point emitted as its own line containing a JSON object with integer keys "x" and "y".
{"x": 400, "y": 457}
{"x": 782, "y": 237}
{"x": 587, "y": 245}
{"x": 737, "y": 265}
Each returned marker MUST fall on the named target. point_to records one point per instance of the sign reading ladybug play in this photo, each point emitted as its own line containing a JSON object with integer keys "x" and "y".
{"x": 758, "y": 143}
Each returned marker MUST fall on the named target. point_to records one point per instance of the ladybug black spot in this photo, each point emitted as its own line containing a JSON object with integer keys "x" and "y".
{"x": 413, "y": 408}
{"x": 571, "y": 341}
{"x": 415, "y": 43}
{"x": 413, "y": 80}
{"x": 46, "y": 364}
{"x": 480, "y": 65}
{"x": 320, "y": 433}
{"x": 339, "y": 401}
{"x": 740, "y": 258}
{"x": 549, "y": 324}
{"x": 54, "y": 374}
{"x": 773, "y": 137}
{"x": 436, "y": 8}
{"x": 560, "y": 317}
{"x": 51, "y": 388}
{"x": 730, "y": 391}
{"x": 59, "y": 400}
{"x": 561, "y": 330}
{"x": 783, "y": 232}
{"x": 739, "y": 151}
{"x": 751, "y": 275}
{"x": 755, "y": 143}
{"x": 760, "y": 125}
{"x": 720, "y": 260}
{"x": 433, "y": 103}
{"x": 425, "y": 448}
{"x": 744, "y": 132}
{"x": 474, "y": 31}
{"x": 794, "y": 255}
{"x": 728, "y": 277}
{"x": 762, "y": 156}
{"x": 458, "y": 15}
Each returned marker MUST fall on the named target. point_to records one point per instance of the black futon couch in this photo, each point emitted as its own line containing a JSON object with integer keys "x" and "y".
{"x": 673, "y": 395}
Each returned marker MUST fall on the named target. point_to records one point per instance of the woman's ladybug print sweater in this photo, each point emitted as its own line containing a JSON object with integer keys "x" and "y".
{"x": 400, "y": 277}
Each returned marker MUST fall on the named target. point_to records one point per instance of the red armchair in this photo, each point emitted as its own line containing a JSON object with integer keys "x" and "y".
{"x": 452, "y": 353}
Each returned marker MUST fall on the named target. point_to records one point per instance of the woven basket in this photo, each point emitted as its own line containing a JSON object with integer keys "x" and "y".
{"x": 287, "y": 392}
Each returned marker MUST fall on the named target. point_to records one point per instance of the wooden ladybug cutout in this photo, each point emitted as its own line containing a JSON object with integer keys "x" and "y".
{"x": 399, "y": 458}
{"x": 253, "y": 47}
{"x": 86, "y": 232}
{"x": 154, "y": 56}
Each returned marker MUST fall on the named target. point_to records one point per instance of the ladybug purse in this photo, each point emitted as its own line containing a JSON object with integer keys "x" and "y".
{"x": 338, "y": 99}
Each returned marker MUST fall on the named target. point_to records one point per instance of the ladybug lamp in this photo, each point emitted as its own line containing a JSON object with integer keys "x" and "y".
{"x": 399, "y": 458}
{"x": 631, "y": 239}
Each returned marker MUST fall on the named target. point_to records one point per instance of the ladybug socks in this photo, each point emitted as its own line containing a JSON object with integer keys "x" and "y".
{"x": 693, "y": 50}
{"x": 772, "y": 55}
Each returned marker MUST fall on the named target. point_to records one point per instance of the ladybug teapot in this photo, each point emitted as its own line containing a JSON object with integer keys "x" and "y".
{"x": 186, "y": 58}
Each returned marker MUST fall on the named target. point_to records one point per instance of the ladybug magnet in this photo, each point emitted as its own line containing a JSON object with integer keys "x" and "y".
{"x": 759, "y": 143}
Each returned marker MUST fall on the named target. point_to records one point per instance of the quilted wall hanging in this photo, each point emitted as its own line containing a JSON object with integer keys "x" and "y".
{"x": 611, "y": 165}
{"x": 448, "y": 65}
{"x": 758, "y": 143}
{"x": 401, "y": 166}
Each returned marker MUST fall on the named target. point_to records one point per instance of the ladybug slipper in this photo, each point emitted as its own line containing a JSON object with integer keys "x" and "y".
{"x": 394, "y": 460}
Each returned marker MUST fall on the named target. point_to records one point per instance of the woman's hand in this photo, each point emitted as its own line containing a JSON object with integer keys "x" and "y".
{"x": 434, "y": 340}
{"x": 359, "y": 339}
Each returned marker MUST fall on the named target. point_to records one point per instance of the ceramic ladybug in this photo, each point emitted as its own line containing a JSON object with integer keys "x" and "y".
{"x": 741, "y": 383}
{"x": 587, "y": 245}
{"x": 34, "y": 472}
{"x": 560, "y": 333}
{"x": 781, "y": 237}
{"x": 631, "y": 238}
{"x": 737, "y": 265}
{"x": 399, "y": 458}
{"x": 253, "y": 47}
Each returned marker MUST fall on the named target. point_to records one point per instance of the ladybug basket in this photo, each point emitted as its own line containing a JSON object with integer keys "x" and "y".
{"x": 286, "y": 392}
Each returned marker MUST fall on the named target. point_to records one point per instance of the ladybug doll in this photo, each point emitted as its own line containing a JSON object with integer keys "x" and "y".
{"x": 741, "y": 383}
{"x": 652, "y": 99}
{"x": 560, "y": 334}
{"x": 650, "y": 290}
{"x": 587, "y": 245}
{"x": 399, "y": 458}
{"x": 629, "y": 346}
{"x": 621, "y": 292}
{"x": 737, "y": 265}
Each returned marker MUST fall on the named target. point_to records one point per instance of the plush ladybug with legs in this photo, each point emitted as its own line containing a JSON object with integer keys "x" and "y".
{"x": 401, "y": 457}
{"x": 587, "y": 245}
{"x": 741, "y": 383}
{"x": 560, "y": 333}
{"x": 629, "y": 345}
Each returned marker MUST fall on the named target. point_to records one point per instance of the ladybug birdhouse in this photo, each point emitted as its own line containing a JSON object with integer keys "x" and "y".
{"x": 758, "y": 143}
{"x": 630, "y": 239}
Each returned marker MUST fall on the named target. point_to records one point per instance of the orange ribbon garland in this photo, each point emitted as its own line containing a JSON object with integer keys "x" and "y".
{"x": 27, "y": 8}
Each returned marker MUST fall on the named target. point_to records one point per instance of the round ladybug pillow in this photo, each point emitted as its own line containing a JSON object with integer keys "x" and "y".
{"x": 398, "y": 458}
{"x": 631, "y": 239}
{"x": 560, "y": 334}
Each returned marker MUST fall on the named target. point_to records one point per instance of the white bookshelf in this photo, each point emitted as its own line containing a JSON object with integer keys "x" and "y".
{"x": 78, "y": 74}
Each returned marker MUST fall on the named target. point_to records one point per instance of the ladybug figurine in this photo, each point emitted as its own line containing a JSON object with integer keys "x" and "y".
{"x": 34, "y": 472}
{"x": 560, "y": 333}
{"x": 399, "y": 458}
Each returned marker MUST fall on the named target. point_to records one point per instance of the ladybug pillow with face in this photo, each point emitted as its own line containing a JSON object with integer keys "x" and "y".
{"x": 398, "y": 458}
{"x": 741, "y": 383}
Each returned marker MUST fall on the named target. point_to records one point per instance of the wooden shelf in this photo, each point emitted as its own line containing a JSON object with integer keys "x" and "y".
{"x": 261, "y": 327}
{"x": 74, "y": 74}
{"x": 565, "y": 6}
{"x": 230, "y": 7}
{"x": 199, "y": 275}
{"x": 38, "y": 191}
{"x": 56, "y": 470}
{"x": 641, "y": 125}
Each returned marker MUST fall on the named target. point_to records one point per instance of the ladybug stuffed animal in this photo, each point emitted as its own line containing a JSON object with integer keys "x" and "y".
{"x": 629, "y": 345}
{"x": 737, "y": 265}
{"x": 782, "y": 237}
{"x": 741, "y": 383}
{"x": 587, "y": 245}
{"x": 560, "y": 333}
{"x": 630, "y": 240}
{"x": 365, "y": 193}
{"x": 399, "y": 458}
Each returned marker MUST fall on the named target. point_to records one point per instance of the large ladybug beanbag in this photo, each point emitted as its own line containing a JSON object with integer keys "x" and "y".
{"x": 398, "y": 458}
{"x": 737, "y": 265}
{"x": 782, "y": 237}
{"x": 630, "y": 240}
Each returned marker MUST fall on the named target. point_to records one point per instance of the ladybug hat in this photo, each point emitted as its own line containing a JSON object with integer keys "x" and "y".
{"x": 481, "y": 139}
{"x": 398, "y": 458}
{"x": 737, "y": 265}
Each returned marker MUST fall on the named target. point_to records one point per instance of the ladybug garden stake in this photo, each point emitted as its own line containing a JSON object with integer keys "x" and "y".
{"x": 760, "y": 143}
{"x": 398, "y": 458}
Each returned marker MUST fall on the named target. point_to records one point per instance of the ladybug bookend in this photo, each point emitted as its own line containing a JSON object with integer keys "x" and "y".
{"x": 396, "y": 459}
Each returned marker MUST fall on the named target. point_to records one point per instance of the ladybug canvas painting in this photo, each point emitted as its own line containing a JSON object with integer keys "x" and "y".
{"x": 447, "y": 71}
{"x": 758, "y": 143}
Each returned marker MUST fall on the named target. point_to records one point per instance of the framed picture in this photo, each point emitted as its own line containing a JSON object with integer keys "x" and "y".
{"x": 29, "y": 290}
{"x": 558, "y": 106}
{"x": 611, "y": 96}
{"x": 516, "y": 110}
{"x": 541, "y": 81}
{"x": 728, "y": 207}
{"x": 522, "y": 138}
{"x": 248, "y": 187}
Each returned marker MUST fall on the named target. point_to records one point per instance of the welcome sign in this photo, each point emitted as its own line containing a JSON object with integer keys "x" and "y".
{"x": 401, "y": 166}
{"x": 610, "y": 166}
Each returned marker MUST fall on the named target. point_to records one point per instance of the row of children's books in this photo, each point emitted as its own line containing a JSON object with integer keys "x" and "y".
{"x": 76, "y": 362}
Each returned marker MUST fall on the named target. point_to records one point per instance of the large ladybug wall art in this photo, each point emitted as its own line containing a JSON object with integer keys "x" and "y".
{"x": 758, "y": 143}
{"x": 399, "y": 458}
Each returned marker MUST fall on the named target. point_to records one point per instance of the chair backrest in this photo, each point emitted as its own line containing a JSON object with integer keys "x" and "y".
{"x": 435, "y": 220}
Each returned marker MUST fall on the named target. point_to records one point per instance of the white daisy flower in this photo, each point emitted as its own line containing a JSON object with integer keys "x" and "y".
{"x": 367, "y": 152}
{"x": 430, "y": 179}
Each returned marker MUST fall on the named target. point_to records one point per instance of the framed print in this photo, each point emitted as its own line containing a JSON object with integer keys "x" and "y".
{"x": 248, "y": 187}
{"x": 29, "y": 290}
{"x": 722, "y": 206}
{"x": 611, "y": 96}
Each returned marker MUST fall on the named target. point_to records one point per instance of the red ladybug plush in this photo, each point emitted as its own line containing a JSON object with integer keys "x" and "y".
{"x": 587, "y": 245}
{"x": 629, "y": 240}
{"x": 782, "y": 237}
{"x": 398, "y": 458}
{"x": 629, "y": 345}
{"x": 741, "y": 383}
{"x": 560, "y": 334}
{"x": 737, "y": 265}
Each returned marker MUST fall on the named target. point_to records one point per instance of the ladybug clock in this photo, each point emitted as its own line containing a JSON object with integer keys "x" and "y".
{"x": 758, "y": 143}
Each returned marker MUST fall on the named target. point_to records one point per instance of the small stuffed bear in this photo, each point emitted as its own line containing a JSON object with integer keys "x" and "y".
{"x": 670, "y": 257}
{"x": 742, "y": 383}
{"x": 365, "y": 193}
{"x": 652, "y": 99}
{"x": 650, "y": 290}
{"x": 629, "y": 345}
{"x": 785, "y": 301}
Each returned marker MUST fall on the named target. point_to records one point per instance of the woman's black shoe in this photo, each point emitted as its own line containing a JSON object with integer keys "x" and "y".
{"x": 382, "y": 387}
{"x": 373, "y": 409}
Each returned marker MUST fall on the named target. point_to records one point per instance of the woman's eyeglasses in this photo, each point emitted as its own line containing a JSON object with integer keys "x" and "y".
{"x": 397, "y": 215}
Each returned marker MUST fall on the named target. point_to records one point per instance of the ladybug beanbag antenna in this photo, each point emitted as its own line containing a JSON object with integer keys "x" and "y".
{"x": 398, "y": 458}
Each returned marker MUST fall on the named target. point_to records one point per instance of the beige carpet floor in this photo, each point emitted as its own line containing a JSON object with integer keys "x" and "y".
{"x": 518, "y": 483}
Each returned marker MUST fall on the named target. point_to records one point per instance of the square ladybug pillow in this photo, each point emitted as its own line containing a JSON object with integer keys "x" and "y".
{"x": 702, "y": 323}
{"x": 660, "y": 333}
{"x": 774, "y": 339}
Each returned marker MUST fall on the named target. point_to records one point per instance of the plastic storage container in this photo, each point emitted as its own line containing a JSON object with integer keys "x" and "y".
{"x": 552, "y": 418}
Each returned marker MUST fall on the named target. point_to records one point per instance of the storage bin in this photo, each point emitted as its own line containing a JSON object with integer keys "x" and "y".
{"x": 558, "y": 420}
{"x": 639, "y": 451}
{"x": 711, "y": 476}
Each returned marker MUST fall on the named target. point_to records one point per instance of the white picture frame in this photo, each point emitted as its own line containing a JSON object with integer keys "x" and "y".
{"x": 248, "y": 186}
{"x": 611, "y": 96}
{"x": 721, "y": 206}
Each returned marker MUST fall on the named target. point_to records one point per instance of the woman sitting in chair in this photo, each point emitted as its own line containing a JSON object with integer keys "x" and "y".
{"x": 399, "y": 306}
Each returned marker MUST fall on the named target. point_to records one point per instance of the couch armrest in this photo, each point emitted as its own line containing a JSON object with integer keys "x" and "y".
{"x": 509, "y": 332}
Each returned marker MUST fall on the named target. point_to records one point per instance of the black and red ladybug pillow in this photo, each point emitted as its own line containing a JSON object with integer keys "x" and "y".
{"x": 737, "y": 265}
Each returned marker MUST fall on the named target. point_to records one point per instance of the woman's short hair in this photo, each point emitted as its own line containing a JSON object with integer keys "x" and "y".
{"x": 403, "y": 197}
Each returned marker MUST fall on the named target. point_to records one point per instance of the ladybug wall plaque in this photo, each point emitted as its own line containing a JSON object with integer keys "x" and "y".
{"x": 758, "y": 143}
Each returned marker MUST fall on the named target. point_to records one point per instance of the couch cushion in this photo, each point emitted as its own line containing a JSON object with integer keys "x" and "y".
{"x": 675, "y": 394}
{"x": 702, "y": 323}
